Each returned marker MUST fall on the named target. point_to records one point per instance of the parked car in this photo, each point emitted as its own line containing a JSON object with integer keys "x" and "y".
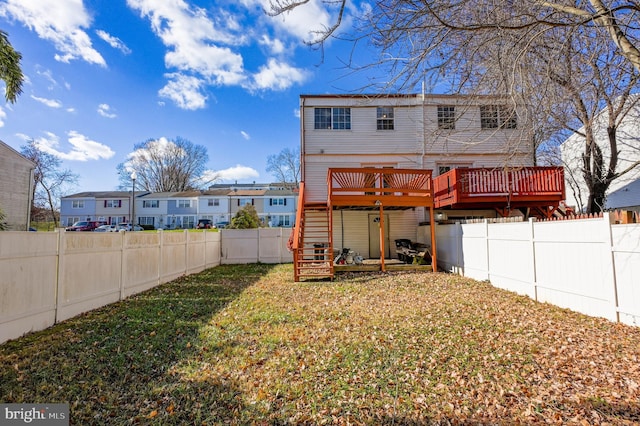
{"x": 85, "y": 225}
{"x": 127, "y": 227}
{"x": 106, "y": 228}
{"x": 222, "y": 224}
{"x": 205, "y": 224}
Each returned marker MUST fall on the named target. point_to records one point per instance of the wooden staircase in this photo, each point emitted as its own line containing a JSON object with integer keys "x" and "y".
{"x": 313, "y": 255}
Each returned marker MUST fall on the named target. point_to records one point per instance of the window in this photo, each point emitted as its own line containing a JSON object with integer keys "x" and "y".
{"x": 384, "y": 116}
{"x": 245, "y": 202}
{"x": 278, "y": 202}
{"x": 280, "y": 221}
{"x": 444, "y": 168}
{"x": 497, "y": 116}
{"x": 150, "y": 204}
{"x": 213, "y": 202}
{"x": 148, "y": 220}
{"x": 77, "y": 204}
{"x": 332, "y": 118}
{"x": 113, "y": 203}
{"x": 184, "y": 204}
{"x": 446, "y": 117}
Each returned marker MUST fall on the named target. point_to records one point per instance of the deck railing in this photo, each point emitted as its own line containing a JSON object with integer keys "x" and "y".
{"x": 373, "y": 186}
{"x": 480, "y": 184}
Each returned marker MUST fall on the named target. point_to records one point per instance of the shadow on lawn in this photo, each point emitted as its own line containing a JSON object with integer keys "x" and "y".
{"x": 114, "y": 365}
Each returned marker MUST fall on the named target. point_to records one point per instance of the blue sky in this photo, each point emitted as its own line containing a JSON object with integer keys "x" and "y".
{"x": 102, "y": 76}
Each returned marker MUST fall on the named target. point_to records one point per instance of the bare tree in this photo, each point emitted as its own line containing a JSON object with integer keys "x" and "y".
{"x": 50, "y": 181}
{"x": 164, "y": 165}
{"x": 285, "y": 166}
{"x": 10, "y": 70}
{"x": 442, "y": 19}
{"x": 566, "y": 60}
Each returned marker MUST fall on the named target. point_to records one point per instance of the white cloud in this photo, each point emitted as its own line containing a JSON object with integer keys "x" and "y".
{"x": 237, "y": 173}
{"x": 105, "y": 111}
{"x": 275, "y": 45}
{"x": 114, "y": 42}
{"x": 185, "y": 91}
{"x": 159, "y": 147}
{"x": 49, "y": 77}
{"x": 303, "y": 21}
{"x": 203, "y": 47}
{"x": 245, "y": 135}
{"x": 195, "y": 40}
{"x": 296, "y": 113}
{"x": 3, "y": 115}
{"x": 52, "y": 103}
{"x": 83, "y": 149}
{"x": 209, "y": 177}
{"x": 277, "y": 76}
{"x": 61, "y": 22}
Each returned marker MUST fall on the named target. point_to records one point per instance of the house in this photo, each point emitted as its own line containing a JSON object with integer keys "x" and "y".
{"x": 16, "y": 188}
{"x": 368, "y": 164}
{"x": 112, "y": 207}
{"x": 628, "y": 141}
{"x": 625, "y": 198}
{"x": 215, "y": 205}
{"x": 274, "y": 203}
{"x": 279, "y": 207}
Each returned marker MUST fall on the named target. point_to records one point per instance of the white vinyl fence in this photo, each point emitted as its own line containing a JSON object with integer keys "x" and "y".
{"x": 588, "y": 265}
{"x": 47, "y": 277}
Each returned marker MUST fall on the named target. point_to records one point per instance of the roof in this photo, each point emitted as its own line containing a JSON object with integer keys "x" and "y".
{"x": 247, "y": 192}
{"x": 103, "y": 194}
{"x": 17, "y": 155}
{"x": 627, "y": 196}
{"x": 280, "y": 192}
{"x": 401, "y": 96}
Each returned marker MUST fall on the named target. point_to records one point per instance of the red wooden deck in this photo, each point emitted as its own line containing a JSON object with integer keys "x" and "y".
{"x": 373, "y": 187}
{"x": 538, "y": 188}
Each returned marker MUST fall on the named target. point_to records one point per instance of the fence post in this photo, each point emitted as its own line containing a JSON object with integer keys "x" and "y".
{"x": 532, "y": 244}
{"x": 123, "y": 255}
{"x": 458, "y": 239}
{"x": 606, "y": 221}
{"x": 486, "y": 242}
{"x": 57, "y": 284}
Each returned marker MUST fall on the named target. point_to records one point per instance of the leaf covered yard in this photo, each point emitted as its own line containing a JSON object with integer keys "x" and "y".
{"x": 244, "y": 344}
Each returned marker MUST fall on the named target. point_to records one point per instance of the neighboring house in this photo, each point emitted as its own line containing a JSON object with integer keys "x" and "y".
{"x": 182, "y": 209}
{"x": 214, "y": 205}
{"x": 274, "y": 203}
{"x": 368, "y": 163}
{"x": 112, "y": 207}
{"x": 625, "y": 198}
{"x": 16, "y": 188}
{"x": 628, "y": 146}
{"x": 239, "y": 198}
{"x": 279, "y": 207}
{"x": 151, "y": 209}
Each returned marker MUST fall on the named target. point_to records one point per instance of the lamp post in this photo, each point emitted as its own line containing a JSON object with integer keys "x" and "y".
{"x": 133, "y": 199}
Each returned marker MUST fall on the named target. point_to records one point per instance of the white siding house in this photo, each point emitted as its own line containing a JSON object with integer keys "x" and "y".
{"x": 628, "y": 141}
{"x": 434, "y": 132}
{"x": 16, "y": 188}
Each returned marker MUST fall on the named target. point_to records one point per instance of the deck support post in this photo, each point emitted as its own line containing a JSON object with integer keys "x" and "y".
{"x": 432, "y": 229}
{"x": 382, "y": 236}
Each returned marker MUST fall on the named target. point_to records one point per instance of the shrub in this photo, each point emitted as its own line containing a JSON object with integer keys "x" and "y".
{"x": 246, "y": 218}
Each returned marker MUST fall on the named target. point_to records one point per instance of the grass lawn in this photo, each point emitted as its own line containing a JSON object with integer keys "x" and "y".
{"x": 246, "y": 345}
